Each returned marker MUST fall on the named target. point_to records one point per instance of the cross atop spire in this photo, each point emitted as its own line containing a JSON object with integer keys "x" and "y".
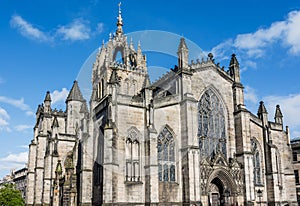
{"x": 120, "y": 21}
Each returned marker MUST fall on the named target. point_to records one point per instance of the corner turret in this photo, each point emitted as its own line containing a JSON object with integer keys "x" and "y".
{"x": 74, "y": 102}
{"x": 234, "y": 69}
{"x": 278, "y": 115}
{"x": 183, "y": 55}
{"x": 47, "y": 103}
{"x": 262, "y": 112}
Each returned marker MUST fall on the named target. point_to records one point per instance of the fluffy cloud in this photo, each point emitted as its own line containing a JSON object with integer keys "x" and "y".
{"x": 27, "y": 29}
{"x": 3, "y": 113}
{"x": 19, "y": 103}
{"x": 77, "y": 30}
{"x": 99, "y": 28}
{"x": 23, "y": 127}
{"x": 14, "y": 161}
{"x": 250, "y": 95}
{"x": 3, "y": 120}
{"x": 59, "y": 96}
{"x": 290, "y": 107}
{"x": 253, "y": 45}
{"x": 16, "y": 158}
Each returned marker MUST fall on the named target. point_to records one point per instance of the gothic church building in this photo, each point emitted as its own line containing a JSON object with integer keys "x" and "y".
{"x": 186, "y": 139}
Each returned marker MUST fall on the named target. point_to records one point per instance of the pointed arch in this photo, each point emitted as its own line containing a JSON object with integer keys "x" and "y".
{"x": 119, "y": 52}
{"x": 257, "y": 160}
{"x": 212, "y": 127}
{"x": 166, "y": 155}
{"x": 132, "y": 154}
{"x": 223, "y": 178}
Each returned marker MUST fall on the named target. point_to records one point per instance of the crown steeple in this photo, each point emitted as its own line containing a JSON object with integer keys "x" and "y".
{"x": 119, "y": 22}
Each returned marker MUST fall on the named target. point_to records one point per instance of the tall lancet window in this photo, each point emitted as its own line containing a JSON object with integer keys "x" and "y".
{"x": 132, "y": 157}
{"x": 166, "y": 156}
{"x": 211, "y": 124}
{"x": 256, "y": 162}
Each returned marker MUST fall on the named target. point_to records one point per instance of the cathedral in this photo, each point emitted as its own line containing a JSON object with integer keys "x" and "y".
{"x": 185, "y": 139}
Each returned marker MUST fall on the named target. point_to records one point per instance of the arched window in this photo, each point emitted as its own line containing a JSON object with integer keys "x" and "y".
{"x": 166, "y": 156}
{"x": 100, "y": 89}
{"x": 256, "y": 162}
{"x": 132, "y": 157}
{"x": 211, "y": 124}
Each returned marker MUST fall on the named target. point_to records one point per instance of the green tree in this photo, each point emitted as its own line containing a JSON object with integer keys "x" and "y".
{"x": 9, "y": 196}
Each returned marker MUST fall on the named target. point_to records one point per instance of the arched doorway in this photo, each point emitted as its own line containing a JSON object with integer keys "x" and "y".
{"x": 216, "y": 192}
{"x": 221, "y": 188}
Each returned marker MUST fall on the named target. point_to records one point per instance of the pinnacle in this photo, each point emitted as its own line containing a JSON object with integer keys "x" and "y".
{"x": 75, "y": 93}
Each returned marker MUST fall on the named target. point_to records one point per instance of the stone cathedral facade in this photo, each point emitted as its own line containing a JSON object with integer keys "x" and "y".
{"x": 185, "y": 139}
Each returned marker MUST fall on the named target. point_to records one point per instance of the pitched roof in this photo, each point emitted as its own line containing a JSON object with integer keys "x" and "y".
{"x": 75, "y": 93}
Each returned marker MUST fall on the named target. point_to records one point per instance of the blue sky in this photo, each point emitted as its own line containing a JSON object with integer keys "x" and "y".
{"x": 43, "y": 45}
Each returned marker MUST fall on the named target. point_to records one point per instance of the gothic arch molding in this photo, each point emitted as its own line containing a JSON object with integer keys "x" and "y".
{"x": 223, "y": 177}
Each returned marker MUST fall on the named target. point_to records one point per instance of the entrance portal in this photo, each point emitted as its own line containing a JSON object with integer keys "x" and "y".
{"x": 216, "y": 192}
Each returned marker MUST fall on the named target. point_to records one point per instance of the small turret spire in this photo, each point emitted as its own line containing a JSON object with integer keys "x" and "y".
{"x": 120, "y": 22}
{"x": 47, "y": 102}
{"x": 47, "y": 97}
{"x": 261, "y": 110}
{"x": 183, "y": 54}
{"x": 234, "y": 68}
{"x": 278, "y": 115}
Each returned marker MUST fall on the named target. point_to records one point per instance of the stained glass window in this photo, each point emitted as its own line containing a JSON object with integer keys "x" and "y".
{"x": 166, "y": 156}
{"x": 211, "y": 124}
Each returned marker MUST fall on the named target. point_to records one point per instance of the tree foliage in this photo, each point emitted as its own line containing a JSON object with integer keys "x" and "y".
{"x": 9, "y": 196}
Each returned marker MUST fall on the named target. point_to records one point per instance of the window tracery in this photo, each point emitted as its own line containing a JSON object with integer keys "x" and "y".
{"x": 211, "y": 124}
{"x": 166, "y": 156}
{"x": 132, "y": 157}
{"x": 256, "y": 162}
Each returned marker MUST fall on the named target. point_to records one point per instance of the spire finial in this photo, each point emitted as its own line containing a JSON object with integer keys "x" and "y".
{"x": 119, "y": 8}
{"x": 120, "y": 21}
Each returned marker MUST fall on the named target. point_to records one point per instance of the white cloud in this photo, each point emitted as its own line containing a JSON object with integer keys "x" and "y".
{"x": 250, "y": 95}
{"x": 284, "y": 33}
{"x": 29, "y": 113}
{"x": 221, "y": 49}
{"x": 3, "y": 123}
{"x": 16, "y": 158}
{"x": 59, "y": 96}
{"x": 3, "y": 120}
{"x": 19, "y": 103}
{"x": 290, "y": 107}
{"x": 3, "y": 113}
{"x": 23, "y": 146}
{"x": 77, "y": 30}
{"x": 22, "y": 127}
{"x": 99, "y": 28}
{"x": 293, "y": 32}
{"x": 27, "y": 29}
